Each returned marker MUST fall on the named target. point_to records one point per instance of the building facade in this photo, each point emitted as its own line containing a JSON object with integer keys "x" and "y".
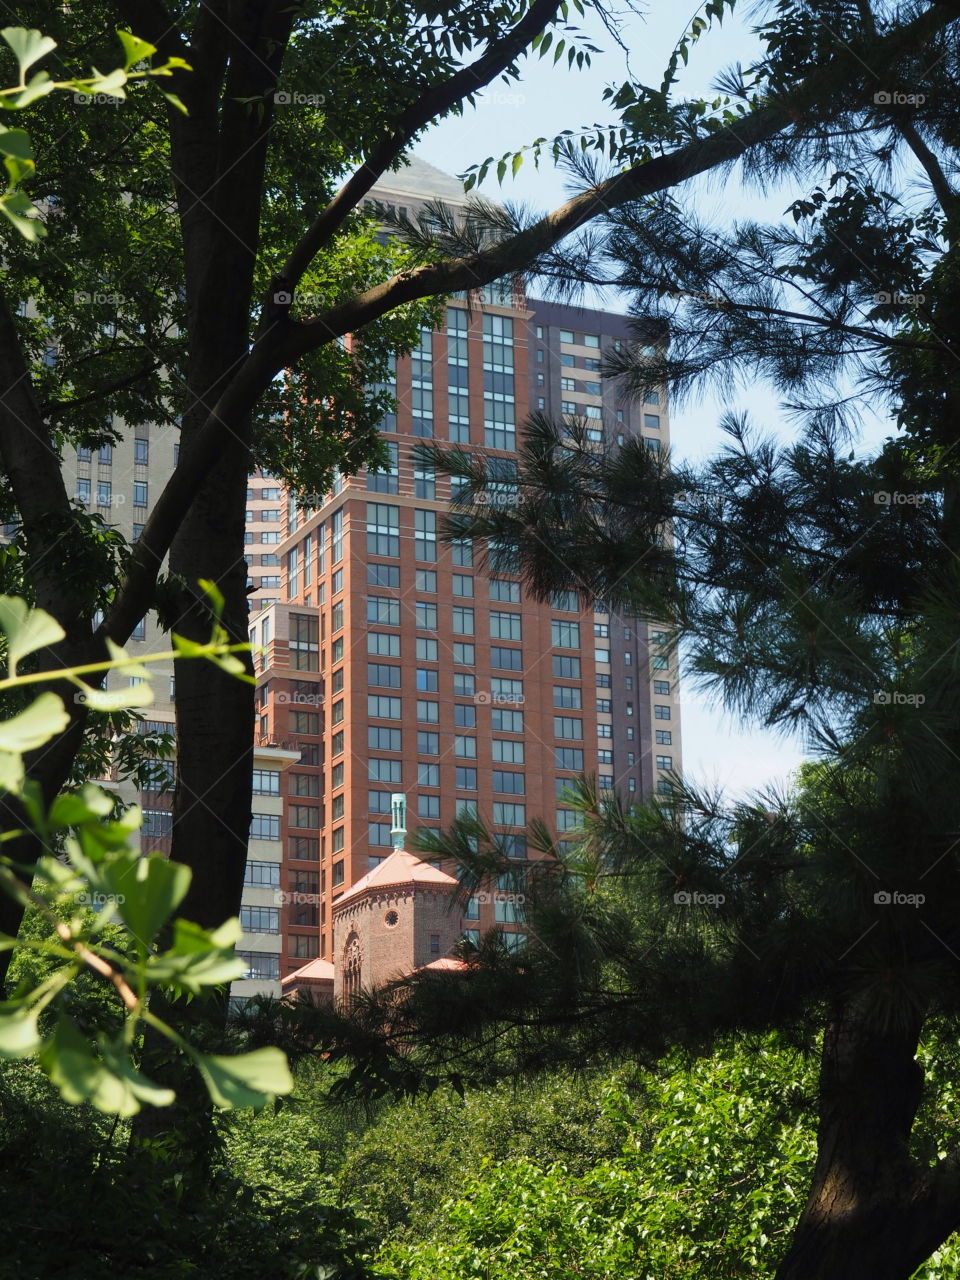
{"x": 392, "y": 661}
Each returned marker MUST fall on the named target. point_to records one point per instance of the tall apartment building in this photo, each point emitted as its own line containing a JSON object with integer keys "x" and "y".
{"x": 391, "y": 663}
{"x": 119, "y": 483}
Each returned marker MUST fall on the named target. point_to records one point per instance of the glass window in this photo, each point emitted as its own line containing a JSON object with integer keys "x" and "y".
{"x": 139, "y": 493}
{"x": 266, "y": 782}
{"x": 505, "y": 626}
{"x": 428, "y": 775}
{"x": 507, "y": 752}
{"x": 465, "y": 747}
{"x": 428, "y": 681}
{"x": 463, "y": 620}
{"x": 568, "y": 758}
{"x": 265, "y": 826}
{"x": 664, "y": 738}
{"x": 383, "y": 770}
{"x": 661, "y": 687}
{"x": 381, "y": 708}
{"x": 425, "y": 535}
{"x": 660, "y": 712}
{"x": 466, "y": 778}
{"x": 428, "y": 744}
{"x": 383, "y": 575}
{"x": 383, "y": 529}
{"x": 464, "y": 717}
{"x": 506, "y": 721}
{"x": 426, "y": 615}
{"x": 304, "y": 815}
{"x": 464, "y": 654}
{"x": 462, "y": 553}
{"x": 567, "y": 727}
{"x": 567, "y": 696}
{"x": 564, "y": 635}
{"x": 383, "y": 644}
{"x": 427, "y": 649}
{"x": 509, "y": 815}
{"x": 464, "y": 686}
{"x": 504, "y": 659}
{"x": 428, "y": 711}
{"x": 383, "y": 610}
{"x": 426, "y": 580}
{"x": 507, "y": 782}
{"x": 262, "y": 875}
{"x": 378, "y": 673}
{"x": 462, "y": 584}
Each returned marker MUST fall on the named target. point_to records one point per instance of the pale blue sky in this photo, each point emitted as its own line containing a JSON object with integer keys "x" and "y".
{"x": 716, "y": 748}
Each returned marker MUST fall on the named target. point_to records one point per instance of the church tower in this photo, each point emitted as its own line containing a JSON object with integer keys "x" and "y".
{"x": 401, "y": 916}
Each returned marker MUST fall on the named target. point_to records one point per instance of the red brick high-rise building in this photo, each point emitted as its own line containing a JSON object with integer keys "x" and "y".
{"x": 392, "y": 664}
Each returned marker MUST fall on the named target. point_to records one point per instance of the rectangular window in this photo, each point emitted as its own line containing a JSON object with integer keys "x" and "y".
{"x": 428, "y": 744}
{"x": 428, "y": 681}
{"x": 378, "y": 833}
{"x": 567, "y": 727}
{"x": 664, "y": 762}
{"x": 567, "y": 696}
{"x": 504, "y": 659}
{"x": 462, "y": 553}
{"x": 564, "y": 635}
{"x": 305, "y": 722}
{"x": 651, "y": 421}
{"x": 428, "y": 806}
{"x": 378, "y": 801}
{"x": 504, "y": 591}
{"x": 83, "y": 489}
{"x": 426, "y": 615}
{"x": 604, "y": 730}
{"x": 303, "y": 643}
{"x": 425, "y": 535}
{"x": 139, "y": 493}
{"x": 383, "y": 770}
{"x": 507, "y": 752}
{"x": 464, "y": 686}
{"x": 568, "y": 758}
{"x": 505, "y": 721}
{"x": 660, "y": 712}
{"x": 383, "y": 529}
{"x": 661, "y": 687}
{"x": 464, "y": 717}
{"x": 262, "y": 875}
{"x": 264, "y": 966}
{"x": 466, "y": 778}
{"x": 336, "y": 746}
{"x": 381, "y": 708}
{"x": 428, "y": 775}
{"x": 507, "y": 782}
{"x": 463, "y": 620}
{"x": 505, "y": 626}
{"x": 383, "y": 611}
{"x": 260, "y": 919}
{"x": 462, "y": 584}
{"x": 383, "y": 575}
{"x": 464, "y": 654}
{"x": 266, "y": 782}
{"x": 383, "y": 644}
{"x": 158, "y": 824}
{"x": 465, "y": 748}
{"x": 428, "y": 712}
{"x": 265, "y": 826}
{"x": 387, "y": 480}
{"x": 338, "y": 877}
{"x": 664, "y": 738}
{"x": 383, "y": 739}
{"x": 509, "y": 815}
{"x": 605, "y": 706}
{"x": 378, "y": 673}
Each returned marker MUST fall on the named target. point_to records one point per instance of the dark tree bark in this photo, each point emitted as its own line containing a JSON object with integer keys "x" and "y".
{"x": 873, "y": 1213}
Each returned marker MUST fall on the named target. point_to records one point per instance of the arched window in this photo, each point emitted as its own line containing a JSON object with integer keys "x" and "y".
{"x": 352, "y": 961}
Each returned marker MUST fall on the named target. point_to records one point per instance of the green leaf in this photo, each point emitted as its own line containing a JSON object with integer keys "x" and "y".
{"x": 134, "y": 49}
{"x": 16, "y": 142}
{"x": 115, "y": 699}
{"x": 147, "y": 890}
{"x": 40, "y": 722}
{"x": 69, "y": 1061}
{"x": 71, "y": 808}
{"x": 28, "y": 46}
{"x": 249, "y": 1080}
{"x": 19, "y": 1037}
{"x": 111, "y": 1083}
{"x": 11, "y": 771}
{"x": 17, "y": 208}
{"x": 26, "y": 629}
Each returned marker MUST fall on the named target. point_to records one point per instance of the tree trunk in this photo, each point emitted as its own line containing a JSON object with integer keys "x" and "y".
{"x": 872, "y": 1212}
